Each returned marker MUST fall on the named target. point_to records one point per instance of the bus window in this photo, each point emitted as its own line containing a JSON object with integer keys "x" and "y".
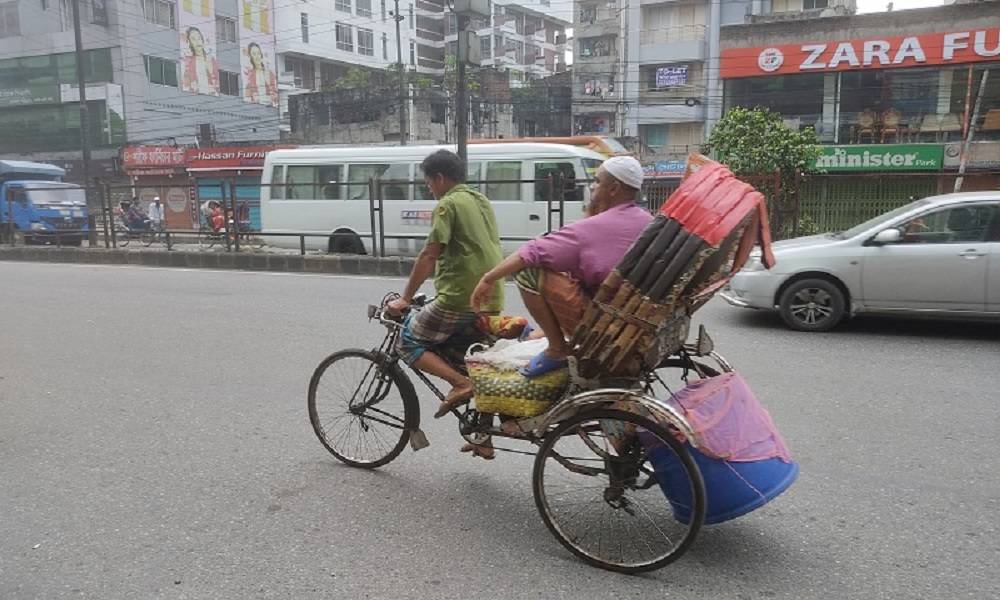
{"x": 396, "y": 182}
{"x": 573, "y": 188}
{"x": 277, "y": 188}
{"x": 474, "y": 174}
{"x": 359, "y": 175}
{"x": 590, "y": 165}
{"x": 507, "y": 174}
{"x": 422, "y": 193}
{"x": 329, "y": 177}
{"x": 300, "y": 183}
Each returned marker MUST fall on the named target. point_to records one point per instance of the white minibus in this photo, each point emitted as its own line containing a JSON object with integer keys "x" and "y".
{"x": 325, "y": 191}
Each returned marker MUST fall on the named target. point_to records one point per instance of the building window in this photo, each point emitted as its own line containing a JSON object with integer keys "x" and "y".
{"x": 654, "y": 136}
{"x": 160, "y": 71}
{"x": 303, "y": 72}
{"x": 65, "y": 15}
{"x": 229, "y": 83}
{"x": 10, "y": 20}
{"x": 599, "y": 46}
{"x": 588, "y": 14}
{"x": 814, "y": 4}
{"x": 160, "y": 12}
{"x": 385, "y": 47}
{"x": 98, "y": 12}
{"x": 226, "y": 29}
{"x": 345, "y": 38}
{"x": 413, "y": 53}
{"x": 364, "y": 8}
{"x": 486, "y": 46}
{"x": 305, "y": 28}
{"x": 343, "y": 5}
{"x": 366, "y": 42}
{"x": 383, "y": 10}
{"x": 412, "y": 22}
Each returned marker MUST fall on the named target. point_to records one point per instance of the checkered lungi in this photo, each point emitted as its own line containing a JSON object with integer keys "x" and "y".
{"x": 564, "y": 295}
{"x": 438, "y": 329}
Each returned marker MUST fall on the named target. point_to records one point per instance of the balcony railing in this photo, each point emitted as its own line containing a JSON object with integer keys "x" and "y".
{"x": 669, "y": 35}
{"x": 426, "y": 34}
{"x": 430, "y": 7}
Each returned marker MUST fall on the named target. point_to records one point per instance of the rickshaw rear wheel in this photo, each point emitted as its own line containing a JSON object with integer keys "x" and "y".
{"x": 597, "y": 493}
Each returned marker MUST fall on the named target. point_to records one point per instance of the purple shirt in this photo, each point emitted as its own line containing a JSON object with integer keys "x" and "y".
{"x": 589, "y": 248}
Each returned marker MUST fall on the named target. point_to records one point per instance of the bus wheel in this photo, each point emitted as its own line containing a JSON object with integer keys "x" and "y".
{"x": 345, "y": 241}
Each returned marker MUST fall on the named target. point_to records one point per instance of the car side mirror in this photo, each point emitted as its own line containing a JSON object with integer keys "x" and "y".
{"x": 888, "y": 236}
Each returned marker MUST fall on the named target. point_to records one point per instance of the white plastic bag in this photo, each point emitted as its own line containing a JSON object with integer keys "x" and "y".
{"x": 508, "y": 355}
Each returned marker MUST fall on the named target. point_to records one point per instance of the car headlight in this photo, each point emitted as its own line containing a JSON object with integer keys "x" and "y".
{"x": 38, "y": 227}
{"x": 753, "y": 263}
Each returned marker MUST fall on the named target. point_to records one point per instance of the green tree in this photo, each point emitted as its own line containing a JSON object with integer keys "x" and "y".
{"x": 356, "y": 78}
{"x": 757, "y": 142}
{"x": 451, "y": 75}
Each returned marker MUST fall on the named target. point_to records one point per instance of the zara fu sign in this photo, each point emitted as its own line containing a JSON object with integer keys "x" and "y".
{"x": 883, "y": 53}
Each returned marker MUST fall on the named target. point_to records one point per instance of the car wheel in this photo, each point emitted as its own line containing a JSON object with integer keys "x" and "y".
{"x": 812, "y": 305}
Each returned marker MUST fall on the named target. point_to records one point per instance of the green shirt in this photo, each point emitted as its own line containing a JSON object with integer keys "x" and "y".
{"x": 465, "y": 225}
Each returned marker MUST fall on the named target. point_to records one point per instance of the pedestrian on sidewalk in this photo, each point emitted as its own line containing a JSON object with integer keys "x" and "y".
{"x": 156, "y": 214}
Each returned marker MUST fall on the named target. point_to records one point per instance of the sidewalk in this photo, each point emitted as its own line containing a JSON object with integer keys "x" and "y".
{"x": 248, "y": 260}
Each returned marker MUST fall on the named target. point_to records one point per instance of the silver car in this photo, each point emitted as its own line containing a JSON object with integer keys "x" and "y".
{"x": 939, "y": 256}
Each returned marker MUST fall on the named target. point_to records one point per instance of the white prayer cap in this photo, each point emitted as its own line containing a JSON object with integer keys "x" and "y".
{"x": 625, "y": 169}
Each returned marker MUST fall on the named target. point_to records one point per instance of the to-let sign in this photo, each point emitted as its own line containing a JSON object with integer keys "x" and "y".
{"x": 883, "y": 53}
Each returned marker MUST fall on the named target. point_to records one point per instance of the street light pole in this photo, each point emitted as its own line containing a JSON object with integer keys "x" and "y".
{"x": 403, "y": 96}
{"x": 84, "y": 123}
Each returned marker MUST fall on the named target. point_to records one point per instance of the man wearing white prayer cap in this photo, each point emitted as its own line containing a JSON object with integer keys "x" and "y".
{"x": 560, "y": 272}
{"x": 626, "y": 170}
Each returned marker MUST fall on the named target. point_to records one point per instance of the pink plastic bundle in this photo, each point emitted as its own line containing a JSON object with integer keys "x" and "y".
{"x": 729, "y": 421}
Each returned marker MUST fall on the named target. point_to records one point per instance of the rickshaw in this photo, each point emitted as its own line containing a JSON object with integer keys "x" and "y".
{"x": 617, "y": 475}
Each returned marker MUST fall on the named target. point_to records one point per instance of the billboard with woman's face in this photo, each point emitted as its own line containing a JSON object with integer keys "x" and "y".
{"x": 259, "y": 78}
{"x": 199, "y": 63}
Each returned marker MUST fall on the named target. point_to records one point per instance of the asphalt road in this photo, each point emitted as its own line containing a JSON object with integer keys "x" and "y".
{"x": 154, "y": 443}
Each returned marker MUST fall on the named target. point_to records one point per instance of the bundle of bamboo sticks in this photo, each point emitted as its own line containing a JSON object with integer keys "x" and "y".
{"x": 701, "y": 237}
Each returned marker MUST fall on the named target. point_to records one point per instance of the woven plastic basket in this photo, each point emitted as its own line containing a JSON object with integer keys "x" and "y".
{"x": 507, "y": 392}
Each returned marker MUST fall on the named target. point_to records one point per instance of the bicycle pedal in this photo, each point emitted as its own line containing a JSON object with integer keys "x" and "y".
{"x": 418, "y": 440}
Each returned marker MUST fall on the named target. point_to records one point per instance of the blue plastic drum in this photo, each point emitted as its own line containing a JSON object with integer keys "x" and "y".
{"x": 732, "y": 489}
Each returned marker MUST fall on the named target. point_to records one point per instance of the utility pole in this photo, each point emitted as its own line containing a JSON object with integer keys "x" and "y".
{"x": 403, "y": 95}
{"x": 84, "y": 123}
{"x": 468, "y": 52}
{"x": 970, "y": 127}
{"x": 461, "y": 99}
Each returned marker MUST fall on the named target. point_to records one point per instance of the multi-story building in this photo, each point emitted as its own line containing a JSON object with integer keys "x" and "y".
{"x": 318, "y": 42}
{"x": 640, "y": 71}
{"x": 524, "y": 39}
{"x": 887, "y": 92}
{"x": 647, "y": 71}
{"x": 157, "y": 71}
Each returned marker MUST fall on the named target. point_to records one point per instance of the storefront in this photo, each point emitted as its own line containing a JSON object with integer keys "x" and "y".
{"x": 219, "y": 172}
{"x": 905, "y": 89}
{"x": 159, "y": 171}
